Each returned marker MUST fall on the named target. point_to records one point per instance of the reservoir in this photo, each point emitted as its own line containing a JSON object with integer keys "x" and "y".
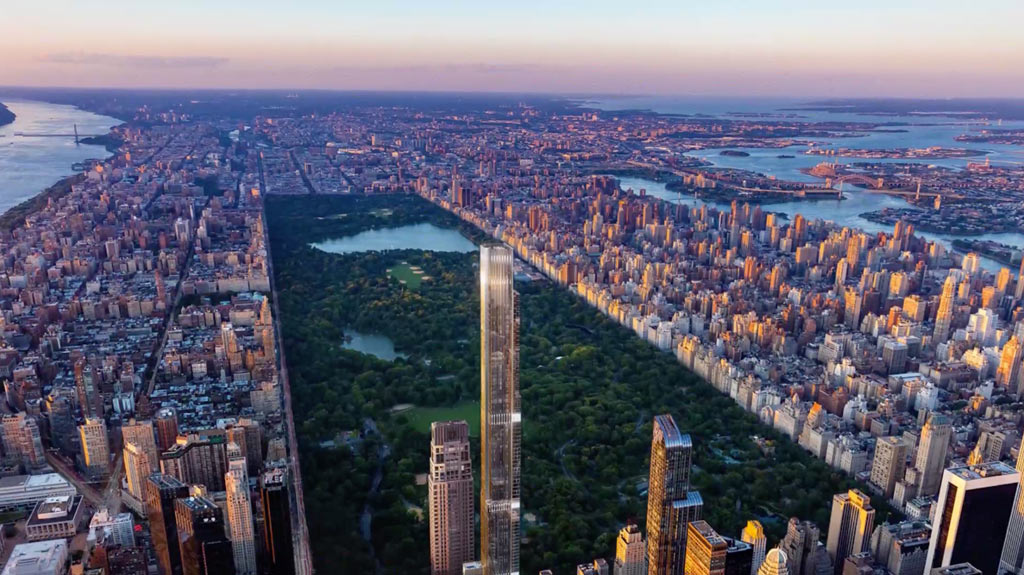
{"x": 29, "y": 165}
{"x": 426, "y": 237}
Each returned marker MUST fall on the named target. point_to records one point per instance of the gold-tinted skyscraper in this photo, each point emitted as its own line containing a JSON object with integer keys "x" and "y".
{"x": 500, "y": 418}
{"x": 450, "y": 498}
{"x": 670, "y": 503}
{"x": 849, "y": 531}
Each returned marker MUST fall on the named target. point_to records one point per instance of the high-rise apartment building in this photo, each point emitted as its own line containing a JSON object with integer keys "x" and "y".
{"x": 141, "y": 434}
{"x": 22, "y": 441}
{"x": 973, "y": 515}
{"x": 705, "y": 550}
{"x": 87, "y": 380}
{"x": 753, "y": 533}
{"x": 500, "y": 421}
{"x": 136, "y": 471}
{"x": 849, "y": 532}
{"x": 95, "y": 447}
{"x": 166, "y": 428}
{"x": 931, "y": 453}
{"x": 204, "y": 547}
{"x": 630, "y": 552}
{"x": 161, "y": 492}
{"x": 197, "y": 460}
{"x": 804, "y": 551}
{"x": 671, "y": 506}
{"x": 241, "y": 531}
{"x": 889, "y": 464}
{"x": 450, "y": 498}
{"x": 277, "y": 523}
{"x": 1012, "y": 557}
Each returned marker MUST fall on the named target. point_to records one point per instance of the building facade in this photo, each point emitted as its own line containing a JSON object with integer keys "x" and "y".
{"x": 450, "y": 498}
{"x": 500, "y": 422}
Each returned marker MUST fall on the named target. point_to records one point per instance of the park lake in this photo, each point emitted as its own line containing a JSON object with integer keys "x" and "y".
{"x": 427, "y": 237}
{"x": 424, "y": 236}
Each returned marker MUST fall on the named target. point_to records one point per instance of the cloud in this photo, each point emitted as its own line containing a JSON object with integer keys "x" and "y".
{"x": 133, "y": 61}
{"x": 470, "y": 68}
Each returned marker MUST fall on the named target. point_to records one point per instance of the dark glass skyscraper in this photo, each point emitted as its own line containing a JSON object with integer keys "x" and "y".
{"x": 671, "y": 506}
{"x": 500, "y": 418}
{"x": 205, "y": 549}
{"x": 973, "y": 516}
{"x": 161, "y": 492}
{"x": 277, "y": 523}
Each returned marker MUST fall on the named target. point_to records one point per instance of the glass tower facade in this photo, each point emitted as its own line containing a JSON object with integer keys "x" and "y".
{"x": 500, "y": 416}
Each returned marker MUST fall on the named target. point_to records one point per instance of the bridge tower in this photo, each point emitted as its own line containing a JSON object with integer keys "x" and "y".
{"x": 76, "y": 134}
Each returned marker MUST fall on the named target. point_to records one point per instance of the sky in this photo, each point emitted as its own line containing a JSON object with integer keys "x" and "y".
{"x": 906, "y": 48}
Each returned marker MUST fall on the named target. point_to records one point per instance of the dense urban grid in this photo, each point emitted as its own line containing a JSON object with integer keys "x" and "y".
{"x": 148, "y": 423}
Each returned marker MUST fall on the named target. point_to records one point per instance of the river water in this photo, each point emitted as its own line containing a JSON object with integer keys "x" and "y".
{"x": 29, "y": 165}
{"x": 920, "y": 132}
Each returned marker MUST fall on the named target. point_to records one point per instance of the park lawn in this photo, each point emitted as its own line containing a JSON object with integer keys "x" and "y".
{"x": 405, "y": 273}
{"x": 420, "y": 418}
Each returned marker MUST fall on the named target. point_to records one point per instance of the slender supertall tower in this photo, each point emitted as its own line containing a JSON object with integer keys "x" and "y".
{"x": 500, "y": 418}
{"x": 1012, "y": 559}
{"x": 670, "y": 503}
{"x": 450, "y": 497}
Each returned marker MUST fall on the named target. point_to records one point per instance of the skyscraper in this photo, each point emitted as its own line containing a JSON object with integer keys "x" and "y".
{"x": 753, "y": 534}
{"x": 705, "y": 550}
{"x": 277, "y": 523}
{"x": 205, "y": 550}
{"x": 450, "y": 498}
{"x": 803, "y": 549}
{"x": 239, "y": 507}
{"x": 889, "y": 464}
{"x": 973, "y": 515}
{"x": 22, "y": 441}
{"x": 1012, "y": 558}
{"x": 500, "y": 417}
{"x": 850, "y": 527}
{"x": 161, "y": 492}
{"x": 136, "y": 470}
{"x": 166, "y": 428}
{"x": 671, "y": 506}
{"x": 95, "y": 447}
{"x": 931, "y": 453}
{"x": 630, "y": 552}
{"x": 945, "y": 314}
{"x": 141, "y": 434}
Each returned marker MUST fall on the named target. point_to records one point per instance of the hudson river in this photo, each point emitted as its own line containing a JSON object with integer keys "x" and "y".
{"x": 29, "y": 165}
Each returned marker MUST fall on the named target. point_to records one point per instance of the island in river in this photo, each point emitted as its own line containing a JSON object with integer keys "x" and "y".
{"x": 6, "y": 116}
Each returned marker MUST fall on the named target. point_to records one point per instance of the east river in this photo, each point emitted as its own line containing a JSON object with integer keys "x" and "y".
{"x": 29, "y": 165}
{"x": 920, "y": 132}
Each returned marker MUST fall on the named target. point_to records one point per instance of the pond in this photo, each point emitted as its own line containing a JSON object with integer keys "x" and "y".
{"x": 376, "y": 345}
{"x": 427, "y": 237}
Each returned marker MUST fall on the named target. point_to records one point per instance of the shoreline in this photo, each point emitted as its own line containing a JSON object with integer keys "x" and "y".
{"x": 6, "y": 115}
{"x": 13, "y": 217}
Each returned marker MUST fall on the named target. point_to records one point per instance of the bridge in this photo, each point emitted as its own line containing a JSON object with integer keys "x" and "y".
{"x": 869, "y": 184}
{"x": 74, "y": 135}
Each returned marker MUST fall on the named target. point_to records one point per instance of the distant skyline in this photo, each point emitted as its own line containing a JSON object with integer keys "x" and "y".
{"x": 791, "y": 48}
